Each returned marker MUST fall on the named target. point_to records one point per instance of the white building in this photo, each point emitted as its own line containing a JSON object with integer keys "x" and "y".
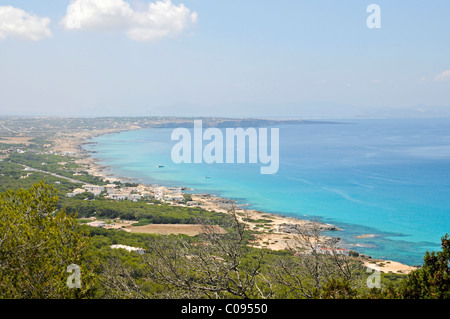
{"x": 174, "y": 198}
{"x": 94, "y": 189}
{"x": 97, "y": 223}
{"x": 76, "y": 192}
{"x": 134, "y": 197}
{"x": 146, "y": 194}
{"x": 117, "y": 196}
{"x": 139, "y": 250}
{"x": 159, "y": 193}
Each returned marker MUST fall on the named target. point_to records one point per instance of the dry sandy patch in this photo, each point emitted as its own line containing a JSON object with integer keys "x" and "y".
{"x": 386, "y": 266}
{"x": 175, "y": 229}
{"x": 16, "y": 140}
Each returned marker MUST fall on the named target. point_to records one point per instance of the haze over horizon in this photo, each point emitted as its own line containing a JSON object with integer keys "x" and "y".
{"x": 231, "y": 58}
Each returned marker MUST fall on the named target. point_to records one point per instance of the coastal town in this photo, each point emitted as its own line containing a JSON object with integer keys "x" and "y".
{"x": 115, "y": 192}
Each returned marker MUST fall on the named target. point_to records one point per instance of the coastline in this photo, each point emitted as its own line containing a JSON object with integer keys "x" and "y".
{"x": 72, "y": 145}
{"x": 268, "y": 236}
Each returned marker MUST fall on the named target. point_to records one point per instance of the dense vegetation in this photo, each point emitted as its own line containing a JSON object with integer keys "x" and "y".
{"x": 38, "y": 242}
{"x": 146, "y": 212}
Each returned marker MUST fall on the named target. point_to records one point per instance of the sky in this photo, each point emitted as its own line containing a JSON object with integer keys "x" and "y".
{"x": 286, "y": 58}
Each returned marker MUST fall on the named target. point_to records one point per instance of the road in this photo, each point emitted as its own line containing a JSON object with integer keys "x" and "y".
{"x": 72, "y": 180}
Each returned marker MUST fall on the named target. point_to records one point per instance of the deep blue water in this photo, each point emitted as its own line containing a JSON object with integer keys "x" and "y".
{"x": 389, "y": 177}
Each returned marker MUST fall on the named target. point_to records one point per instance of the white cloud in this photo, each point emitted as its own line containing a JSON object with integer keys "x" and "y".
{"x": 98, "y": 15}
{"x": 16, "y": 23}
{"x": 444, "y": 76}
{"x": 157, "y": 20}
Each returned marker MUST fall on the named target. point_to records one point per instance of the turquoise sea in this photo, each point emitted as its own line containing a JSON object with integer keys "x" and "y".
{"x": 388, "y": 177}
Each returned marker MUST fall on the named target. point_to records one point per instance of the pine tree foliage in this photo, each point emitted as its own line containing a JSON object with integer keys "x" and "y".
{"x": 37, "y": 244}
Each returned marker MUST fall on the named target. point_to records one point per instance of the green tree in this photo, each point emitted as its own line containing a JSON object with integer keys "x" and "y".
{"x": 337, "y": 288}
{"x": 37, "y": 244}
{"x": 432, "y": 281}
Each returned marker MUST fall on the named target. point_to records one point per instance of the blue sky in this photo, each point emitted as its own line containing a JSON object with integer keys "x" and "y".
{"x": 230, "y": 58}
